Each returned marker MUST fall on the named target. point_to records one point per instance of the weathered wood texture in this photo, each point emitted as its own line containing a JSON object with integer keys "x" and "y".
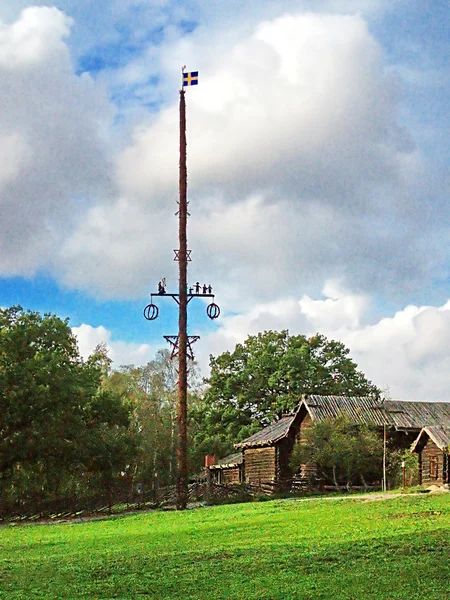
{"x": 305, "y": 426}
{"x": 433, "y": 465}
{"x": 231, "y": 475}
{"x": 369, "y": 410}
{"x": 305, "y": 472}
{"x": 260, "y": 465}
{"x": 284, "y": 449}
{"x": 267, "y": 452}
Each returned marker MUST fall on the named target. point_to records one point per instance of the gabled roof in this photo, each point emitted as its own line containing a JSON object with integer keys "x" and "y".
{"x": 270, "y": 434}
{"x": 360, "y": 409}
{"x": 438, "y": 434}
{"x": 399, "y": 414}
{"x": 232, "y": 460}
{"x": 366, "y": 409}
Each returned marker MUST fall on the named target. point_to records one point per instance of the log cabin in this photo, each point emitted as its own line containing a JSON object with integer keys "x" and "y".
{"x": 265, "y": 455}
{"x": 433, "y": 447}
{"x": 399, "y": 421}
{"x": 227, "y": 470}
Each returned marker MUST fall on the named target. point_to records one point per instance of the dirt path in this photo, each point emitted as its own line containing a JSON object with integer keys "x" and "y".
{"x": 372, "y": 497}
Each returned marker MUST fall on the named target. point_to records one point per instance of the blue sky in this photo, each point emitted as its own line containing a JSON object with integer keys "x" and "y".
{"x": 318, "y": 173}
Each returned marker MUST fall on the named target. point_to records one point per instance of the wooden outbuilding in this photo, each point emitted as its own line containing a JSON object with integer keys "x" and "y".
{"x": 228, "y": 470}
{"x": 264, "y": 456}
{"x": 400, "y": 421}
{"x": 266, "y": 453}
{"x": 433, "y": 447}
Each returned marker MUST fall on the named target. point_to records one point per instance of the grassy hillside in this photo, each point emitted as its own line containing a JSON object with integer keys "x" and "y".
{"x": 330, "y": 549}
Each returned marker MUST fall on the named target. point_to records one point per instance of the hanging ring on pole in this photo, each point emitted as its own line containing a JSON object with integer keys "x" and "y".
{"x": 151, "y": 312}
{"x": 213, "y": 311}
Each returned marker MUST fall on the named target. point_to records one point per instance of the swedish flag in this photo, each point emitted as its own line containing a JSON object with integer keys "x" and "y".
{"x": 190, "y": 78}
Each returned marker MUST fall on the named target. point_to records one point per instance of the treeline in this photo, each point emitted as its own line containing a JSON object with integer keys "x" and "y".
{"x": 62, "y": 433}
{"x": 74, "y": 429}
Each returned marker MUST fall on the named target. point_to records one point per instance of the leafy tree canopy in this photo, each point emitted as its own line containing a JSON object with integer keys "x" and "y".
{"x": 265, "y": 377}
{"x": 340, "y": 452}
{"x": 56, "y": 421}
{"x": 152, "y": 391}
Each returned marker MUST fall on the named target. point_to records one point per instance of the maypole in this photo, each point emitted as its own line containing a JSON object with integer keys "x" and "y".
{"x": 182, "y": 482}
{"x": 182, "y": 342}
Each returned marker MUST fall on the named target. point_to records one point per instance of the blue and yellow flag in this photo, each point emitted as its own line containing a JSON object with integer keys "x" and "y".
{"x": 190, "y": 78}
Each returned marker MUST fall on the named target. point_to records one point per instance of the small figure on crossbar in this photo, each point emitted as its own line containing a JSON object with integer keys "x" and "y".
{"x": 162, "y": 286}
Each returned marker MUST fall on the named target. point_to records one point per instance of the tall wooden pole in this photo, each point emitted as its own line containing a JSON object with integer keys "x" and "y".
{"x": 182, "y": 482}
{"x": 384, "y": 487}
{"x": 182, "y": 345}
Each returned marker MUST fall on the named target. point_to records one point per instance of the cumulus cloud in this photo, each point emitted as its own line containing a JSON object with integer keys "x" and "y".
{"x": 289, "y": 107}
{"x": 52, "y": 146}
{"x": 339, "y": 313}
{"x": 298, "y": 171}
{"x": 407, "y": 354}
{"x": 122, "y": 353}
{"x": 298, "y": 168}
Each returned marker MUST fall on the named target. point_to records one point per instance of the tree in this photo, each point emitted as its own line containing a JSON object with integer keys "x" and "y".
{"x": 265, "y": 377}
{"x": 152, "y": 392}
{"x": 214, "y": 429}
{"x": 340, "y": 452}
{"x": 59, "y": 430}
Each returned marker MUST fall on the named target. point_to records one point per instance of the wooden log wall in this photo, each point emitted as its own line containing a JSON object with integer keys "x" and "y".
{"x": 304, "y": 427}
{"x": 260, "y": 465}
{"x": 232, "y": 475}
{"x": 305, "y": 472}
{"x": 432, "y": 455}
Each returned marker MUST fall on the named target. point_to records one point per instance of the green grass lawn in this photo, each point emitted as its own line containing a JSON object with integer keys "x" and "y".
{"x": 333, "y": 549}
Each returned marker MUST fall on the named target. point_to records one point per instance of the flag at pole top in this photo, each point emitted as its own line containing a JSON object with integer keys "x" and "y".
{"x": 190, "y": 78}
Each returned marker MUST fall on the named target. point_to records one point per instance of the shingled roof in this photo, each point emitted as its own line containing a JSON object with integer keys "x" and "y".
{"x": 366, "y": 409}
{"x": 438, "y": 434}
{"x": 232, "y": 460}
{"x": 270, "y": 434}
{"x": 399, "y": 414}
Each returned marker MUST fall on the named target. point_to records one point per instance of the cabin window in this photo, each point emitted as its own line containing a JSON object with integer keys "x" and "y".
{"x": 434, "y": 468}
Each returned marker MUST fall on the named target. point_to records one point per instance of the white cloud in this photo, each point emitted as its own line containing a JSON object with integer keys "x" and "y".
{"x": 52, "y": 142}
{"x": 14, "y": 156}
{"x": 122, "y": 353}
{"x": 290, "y": 106}
{"x": 339, "y": 314}
{"x": 339, "y": 309}
{"x": 298, "y": 172}
{"x": 407, "y": 354}
{"x": 33, "y": 38}
{"x": 298, "y": 169}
